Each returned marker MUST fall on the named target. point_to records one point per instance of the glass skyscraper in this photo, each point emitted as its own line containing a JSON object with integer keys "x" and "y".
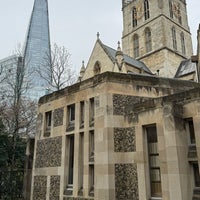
{"x": 37, "y": 50}
{"x": 8, "y": 76}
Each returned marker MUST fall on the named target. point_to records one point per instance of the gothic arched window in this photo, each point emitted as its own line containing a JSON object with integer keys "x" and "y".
{"x": 179, "y": 17}
{"x": 170, "y": 9}
{"x": 174, "y": 38}
{"x": 136, "y": 45}
{"x": 146, "y": 9}
{"x": 183, "y": 43}
{"x": 148, "y": 42}
{"x": 134, "y": 16}
{"x": 97, "y": 68}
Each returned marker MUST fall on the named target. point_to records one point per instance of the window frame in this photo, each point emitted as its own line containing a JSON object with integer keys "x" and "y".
{"x": 71, "y": 113}
{"x": 91, "y": 145}
{"x": 91, "y": 180}
{"x": 152, "y": 151}
{"x": 195, "y": 167}
{"x": 170, "y": 9}
{"x": 148, "y": 40}
{"x": 71, "y": 143}
{"x": 183, "y": 43}
{"x": 82, "y": 113}
{"x": 174, "y": 38}
{"x": 48, "y": 119}
{"x": 134, "y": 16}
{"x": 81, "y": 163}
{"x": 146, "y": 10}
{"x": 48, "y": 123}
{"x": 71, "y": 116}
{"x": 136, "y": 46}
{"x": 91, "y": 111}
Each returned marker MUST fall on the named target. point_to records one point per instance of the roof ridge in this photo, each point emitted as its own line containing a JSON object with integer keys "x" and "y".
{"x": 128, "y": 59}
{"x": 105, "y": 49}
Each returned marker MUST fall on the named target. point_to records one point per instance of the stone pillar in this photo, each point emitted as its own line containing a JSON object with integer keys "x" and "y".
{"x": 198, "y": 54}
{"x": 162, "y": 158}
{"x": 176, "y": 151}
{"x": 86, "y": 152}
{"x": 101, "y": 149}
{"x": 142, "y": 163}
{"x": 196, "y": 120}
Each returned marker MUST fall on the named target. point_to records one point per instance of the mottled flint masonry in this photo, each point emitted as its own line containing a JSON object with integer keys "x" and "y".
{"x": 55, "y": 187}
{"x": 48, "y": 152}
{"x": 124, "y": 140}
{"x": 58, "y": 117}
{"x": 126, "y": 182}
{"x": 123, "y": 104}
{"x": 40, "y": 188}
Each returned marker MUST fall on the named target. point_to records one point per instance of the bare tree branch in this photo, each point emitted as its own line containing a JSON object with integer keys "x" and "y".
{"x": 57, "y": 70}
{"x": 17, "y": 113}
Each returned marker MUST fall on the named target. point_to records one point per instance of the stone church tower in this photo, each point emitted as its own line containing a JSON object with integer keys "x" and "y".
{"x": 157, "y": 33}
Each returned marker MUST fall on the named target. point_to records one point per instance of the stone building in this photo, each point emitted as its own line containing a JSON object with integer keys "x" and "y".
{"x": 157, "y": 33}
{"x": 122, "y": 132}
{"x": 102, "y": 138}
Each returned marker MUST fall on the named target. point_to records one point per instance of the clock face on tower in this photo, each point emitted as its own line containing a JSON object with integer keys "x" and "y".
{"x": 176, "y": 9}
{"x": 140, "y": 10}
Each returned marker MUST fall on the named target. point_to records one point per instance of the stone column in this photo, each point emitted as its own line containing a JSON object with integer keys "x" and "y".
{"x": 198, "y": 54}
{"x": 176, "y": 151}
{"x": 196, "y": 120}
{"x": 142, "y": 163}
{"x": 101, "y": 136}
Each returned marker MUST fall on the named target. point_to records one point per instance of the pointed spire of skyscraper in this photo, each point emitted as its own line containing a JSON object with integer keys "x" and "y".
{"x": 37, "y": 48}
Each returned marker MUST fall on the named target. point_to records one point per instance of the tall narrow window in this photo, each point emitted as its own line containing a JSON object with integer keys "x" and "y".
{"x": 183, "y": 43}
{"x": 174, "y": 38}
{"x": 81, "y": 163}
{"x": 91, "y": 180}
{"x": 171, "y": 9}
{"x": 48, "y": 118}
{"x": 146, "y": 9}
{"x": 196, "y": 174}
{"x": 70, "y": 176}
{"x": 180, "y": 18}
{"x": 134, "y": 16}
{"x": 82, "y": 113}
{"x": 91, "y": 146}
{"x": 148, "y": 42}
{"x": 91, "y": 112}
{"x": 91, "y": 160}
{"x": 72, "y": 113}
{"x": 191, "y": 131}
{"x": 154, "y": 163}
{"x": 71, "y": 116}
{"x": 136, "y": 45}
{"x": 192, "y": 150}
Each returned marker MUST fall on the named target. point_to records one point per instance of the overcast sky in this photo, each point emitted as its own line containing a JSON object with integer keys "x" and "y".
{"x": 73, "y": 24}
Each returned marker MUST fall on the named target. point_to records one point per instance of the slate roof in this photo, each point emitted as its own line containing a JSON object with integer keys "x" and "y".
{"x": 127, "y": 59}
{"x": 186, "y": 67}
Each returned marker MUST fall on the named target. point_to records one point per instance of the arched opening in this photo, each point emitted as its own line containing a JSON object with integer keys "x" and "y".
{"x": 97, "y": 68}
{"x": 148, "y": 42}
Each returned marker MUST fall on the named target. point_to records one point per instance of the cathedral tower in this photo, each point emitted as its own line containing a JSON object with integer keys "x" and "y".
{"x": 157, "y": 33}
{"x": 37, "y": 49}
